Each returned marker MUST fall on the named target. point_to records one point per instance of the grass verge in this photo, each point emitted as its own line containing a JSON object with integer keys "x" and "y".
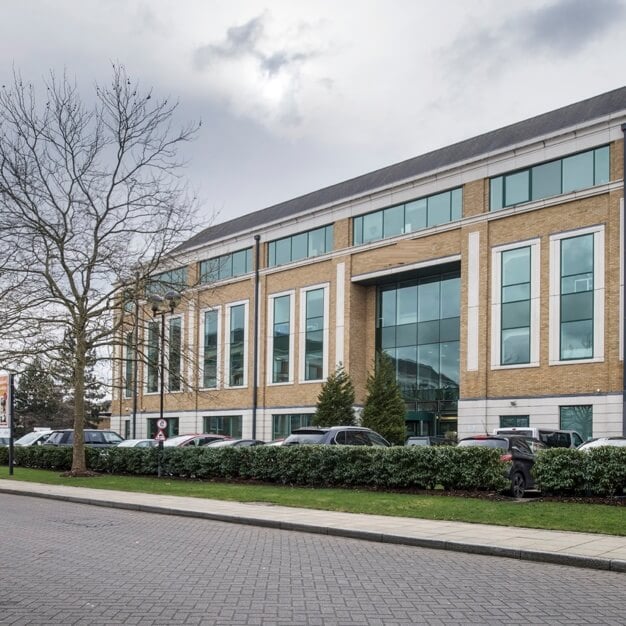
{"x": 594, "y": 518}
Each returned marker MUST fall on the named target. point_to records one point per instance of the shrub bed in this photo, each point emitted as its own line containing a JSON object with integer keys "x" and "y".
{"x": 559, "y": 471}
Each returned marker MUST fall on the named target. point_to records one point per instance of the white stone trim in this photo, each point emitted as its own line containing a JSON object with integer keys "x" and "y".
{"x": 621, "y": 280}
{"x": 246, "y": 341}
{"x": 270, "y": 335}
{"x": 598, "y": 295}
{"x": 473, "y": 302}
{"x": 340, "y": 291}
{"x": 220, "y": 343}
{"x": 496, "y": 304}
{"x": 302, "y": 343}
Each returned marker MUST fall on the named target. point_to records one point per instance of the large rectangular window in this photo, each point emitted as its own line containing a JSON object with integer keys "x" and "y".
{"x": 314, "y": 307}
{"x": 281, "y": 338}
{"x": 174, "y": 354}
{"x": 577, "y": 295}
{"x": 514, "y": 421}
{"x": 170, "y": 431}
{"x": 311, "y": 243}
{"x": 226, "y": 266}
{"x": 153, "y": 352}
{"x": 515, "y": 307}
{"x": 285, "y": 423}
{"x": 172, "y": 280}
{"x": 579, "y": 171}
{"x": 237, "y": 337}
{"x": 578, "y": 418}
{"x": 229, "y": 425}
{"x": 419, "y": 329}
{"x": 129, "y": 364}
{"x": 415, "y": 215}
{"x": 576, "y": 339}
{"x": 210, "y": 349}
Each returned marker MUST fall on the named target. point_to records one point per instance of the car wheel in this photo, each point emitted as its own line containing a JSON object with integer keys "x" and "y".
{"x": 518, "y": 485}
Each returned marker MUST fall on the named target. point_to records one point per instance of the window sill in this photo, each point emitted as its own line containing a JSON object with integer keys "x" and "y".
{"x": 515, "y": 366}
{"x": 578, "y": 361}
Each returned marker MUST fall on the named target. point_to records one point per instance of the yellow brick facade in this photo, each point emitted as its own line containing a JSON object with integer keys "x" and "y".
{"x": 352, "y": 312}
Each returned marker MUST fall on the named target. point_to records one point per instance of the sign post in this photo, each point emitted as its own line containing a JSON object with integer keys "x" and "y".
{"x": 7, "y": 412}
{"x": 160, "y": 438}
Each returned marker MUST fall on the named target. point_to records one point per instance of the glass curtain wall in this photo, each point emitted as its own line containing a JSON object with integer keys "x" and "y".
{"x": 419, "y": 328}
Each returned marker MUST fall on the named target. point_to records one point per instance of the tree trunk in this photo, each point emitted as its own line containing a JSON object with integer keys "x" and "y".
{"x": 79, "y": 465}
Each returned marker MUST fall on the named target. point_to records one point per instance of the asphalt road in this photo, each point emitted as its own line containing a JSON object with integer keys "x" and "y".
{"x": 63, "y": 563}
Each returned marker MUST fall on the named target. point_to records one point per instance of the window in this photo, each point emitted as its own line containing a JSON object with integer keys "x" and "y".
{"x": 152, "y": 382}
{"x": 161, "y": 283}
{"x": 174, "y": 354}
{"x": 578, "y": 418}
{"x": 301, "y": 246}
{"x": 237, "y": 344}
{"x": 314, "y": 329}
{"x": 514, "y": 421}
{"x": 419, "y": 329}
{"x": 126, "y": 429}
{"x": 170, "y": 431}
{"x": 280, "y": 315}
{"x": 579, "y": 171}
{"x": 415, "y": 215}
{"x": 284, "y": 424}
{"x": 226, "y": 266}
{"x": 229, "y": 425}
{"x": 577, "y": 297}
{"x": 210, "y": 349}
{"x": 515, "y": 305}
{"x": 129, "y": 365}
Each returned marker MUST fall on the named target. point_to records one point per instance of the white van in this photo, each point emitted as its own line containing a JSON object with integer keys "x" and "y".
{"x": 553, "y": 438}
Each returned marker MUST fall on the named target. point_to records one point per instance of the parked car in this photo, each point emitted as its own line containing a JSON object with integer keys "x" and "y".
{"x": 36, "y": 438}
{"x": 552, "y": 437}
{"x": 4, "y": 441}
{"x": 336, "y": 435}
{"x": 192, "y": 440}
{"x": 235, "y": 443}
{"x": 276, "y": 442}
{"x": 618, "y": 442}
{"x": 93, "y": 438}
{"x": 425, "y": 440}
{"x": 137, "y": 443}
{"x": 515, "y": 453}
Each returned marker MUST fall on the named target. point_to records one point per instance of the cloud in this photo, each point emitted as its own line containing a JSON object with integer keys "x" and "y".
{"x": 568, "y": 25}
{"x": 263, "y": 72}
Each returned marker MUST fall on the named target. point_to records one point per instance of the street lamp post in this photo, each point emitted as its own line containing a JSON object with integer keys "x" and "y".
{"x": 160, "y": 306}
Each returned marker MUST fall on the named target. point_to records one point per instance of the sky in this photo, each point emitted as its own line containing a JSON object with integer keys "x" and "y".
{"x": 295, "y": 95}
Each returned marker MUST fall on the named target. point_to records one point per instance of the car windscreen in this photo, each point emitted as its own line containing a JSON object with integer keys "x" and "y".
{"x": 111, "y": 437}
{"x": 308, "y": 438}
{"x": 28, "y": 438}
{"x": 485, "y": 443}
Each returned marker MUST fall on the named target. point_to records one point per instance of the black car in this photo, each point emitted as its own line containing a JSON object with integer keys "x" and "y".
{"x": 93, "y": 438}
{"x": 516, "y": 453}
{"x": 336, "y": 435}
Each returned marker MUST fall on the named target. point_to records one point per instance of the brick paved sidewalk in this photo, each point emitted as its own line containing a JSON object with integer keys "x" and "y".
{"x": 589, "y": 550}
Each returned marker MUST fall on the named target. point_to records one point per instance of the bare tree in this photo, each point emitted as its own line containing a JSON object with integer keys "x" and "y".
{"x": 90, "y": 194}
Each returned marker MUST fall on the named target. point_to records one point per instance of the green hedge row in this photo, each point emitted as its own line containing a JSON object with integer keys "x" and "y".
{"x": 559, "y": 471}
{"x": 325, "y": 466}
{"x": 594, "y": 472}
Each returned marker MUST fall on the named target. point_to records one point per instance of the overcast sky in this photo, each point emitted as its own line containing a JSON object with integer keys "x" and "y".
{"x": 296, "y": 95}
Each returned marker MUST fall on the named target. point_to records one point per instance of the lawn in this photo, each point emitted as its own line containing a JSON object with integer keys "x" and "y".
{"x": 530, "y": 513}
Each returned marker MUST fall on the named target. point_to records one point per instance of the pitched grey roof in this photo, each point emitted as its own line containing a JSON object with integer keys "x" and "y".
{"x": 547, "y": 123}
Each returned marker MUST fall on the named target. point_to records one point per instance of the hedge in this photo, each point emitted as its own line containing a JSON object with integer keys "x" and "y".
{"x": 558, "y": 471}
{"x": 413, "y": 467}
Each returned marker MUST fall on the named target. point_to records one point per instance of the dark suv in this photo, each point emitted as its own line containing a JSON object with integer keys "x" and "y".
{"x": 93, "y": 438}
{"x": 517, "y": 455}
{"x": 336, "y": 435}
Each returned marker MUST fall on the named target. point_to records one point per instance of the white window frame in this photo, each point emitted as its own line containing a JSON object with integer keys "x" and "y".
{"x": 218, "y": 374}
{"x": 302, "y": 346}
{"x": 535, "y": 303}
{"x": 270, "y": 336}
{"x": 598, "y": 295}
{"x": 246, "y": 341}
